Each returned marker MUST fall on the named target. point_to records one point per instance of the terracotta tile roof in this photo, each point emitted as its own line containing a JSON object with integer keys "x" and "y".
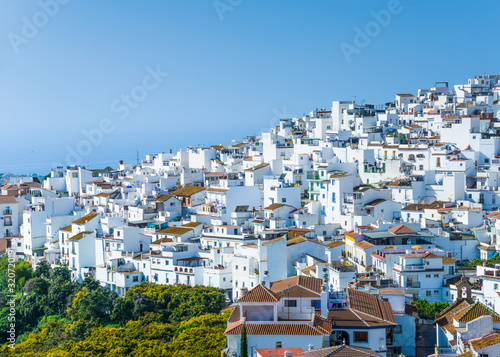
{"x": 279, "y": 352}
{"x": 175, "y": 231}
{"x": 162, "y": 240}
{"x": 335, "y": 244}
{"x": 474, "y": 311}
{"x": 445, "y": 318}
{"x": 295, "y": 240}
{"x": 66, "y": 229}
{"x": 421, "y": 206}
{"x": 79, "y": 236}
{"x": 371, "y": 305}
{"x": 187, "y": 191}
{"x": 375, "y": 202}
{"x": 239, "y": 145}
{"x": 282, "y": 285}
{"x": 235, "y": 315}
{"x": 103, "y": 194}
{"x": 342, "y": 351}
{"x": 257, "y": 167}
{"x": 429, "y": 255}
{"x": 259, "y": 294}
{"x": 274, "y": 206}
{"x": 218, "y": 190}
{"x": 402, "y": 229}
{"x": 273, "y": 329}
{"x": 363, "y": 244}
{"x": 163, "y": 198}
{"x": 488, "y": 341}
{"x": 7, "y": 199}
{"x": 322, "y": 324}
{"x": 448, "y": 260}
{"x": 86, "y": 218}
{"x": 191, "y": 224}
{"x": 273, "y": 240}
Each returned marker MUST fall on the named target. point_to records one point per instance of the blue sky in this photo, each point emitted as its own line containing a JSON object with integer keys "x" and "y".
{"x": 231, "y": 73}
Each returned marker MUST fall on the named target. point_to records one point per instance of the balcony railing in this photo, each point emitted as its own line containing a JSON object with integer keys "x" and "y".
{"x": 7, "y": 211}
{"x": 413, "y": 267}
{"x": 312, "y": 177}
{"x": 413, "y": 284}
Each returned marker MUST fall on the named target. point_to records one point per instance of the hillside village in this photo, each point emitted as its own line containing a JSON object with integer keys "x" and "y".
{"x": 322, "y": 231}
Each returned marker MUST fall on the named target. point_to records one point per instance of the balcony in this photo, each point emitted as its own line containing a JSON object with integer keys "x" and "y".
{"x": 413, "y": 284}
{"x": 7, "y": 211}
{"x": 295, "y": 313}
{"x": 312, "y": 177}
{"x": 413, "y": 267}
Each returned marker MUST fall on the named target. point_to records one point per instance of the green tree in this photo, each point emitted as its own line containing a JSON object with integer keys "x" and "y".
{"x": 244, "y": 342}
{"x": 62, "y": 272}
{"x": 428, "y": 310}
{"x": 122, "y": 311}
{"x": 59, "y": 295}
{"x": 42, "y": 270}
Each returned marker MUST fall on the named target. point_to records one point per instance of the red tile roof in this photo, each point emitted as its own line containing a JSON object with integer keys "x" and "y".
{"x": 7, "y": 199}
{"x": 402, "y": 229}
{"x": 342, "y": 351}
{"x": 259, "y": 294}
{"x": 306, "y": 282}
{"x": 273, "y": 329}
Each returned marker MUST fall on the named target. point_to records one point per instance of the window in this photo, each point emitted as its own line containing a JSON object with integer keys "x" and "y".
{"x": 428, "y": 293}
{"x": 135, "y": 278}
{"x": 495, "y": 286}
{"x": 223, "y": 279}
{"x": 244, "y": 268}
{"x": 290, "y": 303}
{"x": 316, "y": 304}
{"x": 360, "y": 336}
{"x": 166, "y": 262}
{"x": 278, "y": 344}
{"x": 283, "y": 200}
{"x": 236, "y": 267}
{"x": 436, "y": 275}
{"x": 436, "y": 291}
{"x": 428, "y": 276}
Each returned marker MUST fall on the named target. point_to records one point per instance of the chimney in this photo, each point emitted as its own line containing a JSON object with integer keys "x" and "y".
{"x": 448, "y": 254}
{"x": 311, "y": 347}
{"x": 120, "y": 162}
{"x": 288, "y": 354}
{"x": 265, "y": 280}
{"x": 324, "y": 295}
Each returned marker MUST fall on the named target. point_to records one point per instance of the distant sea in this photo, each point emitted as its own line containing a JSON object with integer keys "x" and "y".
{"x": 26, "y": 159}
